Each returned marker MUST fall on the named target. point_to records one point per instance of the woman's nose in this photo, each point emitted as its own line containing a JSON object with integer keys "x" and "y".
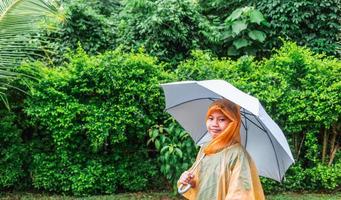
{"x": 214, "y": 122}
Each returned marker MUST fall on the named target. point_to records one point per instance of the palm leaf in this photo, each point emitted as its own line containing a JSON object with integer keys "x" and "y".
{"x": 20, "y": 24}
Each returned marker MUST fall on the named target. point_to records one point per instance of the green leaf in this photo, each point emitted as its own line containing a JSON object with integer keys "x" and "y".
{"x": 179, "y": 152}
{"x": 235, "y": 14}
{"x": 238, "y": 26}
{"x": 183, "y": 134}
{"x": 266, "y": 24}
{"x": 157, "y": 144}
{"x": 226, "y": 35}
{"x": 149, "y": 141}
{"x": 171, "y": 149}
{"x": 256, "y": 16}
{"x": 257, "y": 35}
{"x": 232, "y": 51}
{"x": 168, "y": 130}
{"x": 166, "y": 155}
{"x": 164, "y": 149}
{"x": 241, "y": 43}
{"x": 250, "y": 51}
{"x": 154, "y": 133}
{"x": 162, "y": 139}
{"x": 167, "y": 168}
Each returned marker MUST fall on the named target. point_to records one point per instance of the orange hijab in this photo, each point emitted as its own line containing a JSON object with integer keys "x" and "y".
{"x": 231, "y": 134}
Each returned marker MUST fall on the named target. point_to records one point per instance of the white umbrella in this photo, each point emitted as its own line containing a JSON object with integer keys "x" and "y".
{"x": 188, "y": 102}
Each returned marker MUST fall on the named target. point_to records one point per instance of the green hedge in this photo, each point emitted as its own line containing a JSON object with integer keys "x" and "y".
{"x": 83, "y": 128}
{"x": 89, "y": 123}
{"x": 12, "y": 151}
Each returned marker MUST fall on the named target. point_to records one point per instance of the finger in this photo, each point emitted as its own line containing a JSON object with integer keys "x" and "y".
{"x": 184, "y": 182}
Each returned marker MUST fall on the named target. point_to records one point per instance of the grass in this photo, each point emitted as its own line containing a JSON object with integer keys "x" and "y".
{"x": 158, "y": 196}
{"x": 304, "y": 196}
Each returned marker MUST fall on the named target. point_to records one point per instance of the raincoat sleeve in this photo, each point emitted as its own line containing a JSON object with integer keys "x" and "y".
{"x": 244, "y": 182}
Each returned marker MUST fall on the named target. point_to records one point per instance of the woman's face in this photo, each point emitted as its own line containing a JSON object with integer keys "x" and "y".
{"x": 216, "y": 123}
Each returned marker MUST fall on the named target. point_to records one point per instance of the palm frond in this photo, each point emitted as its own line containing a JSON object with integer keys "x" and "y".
{"x": 20, "y": 24}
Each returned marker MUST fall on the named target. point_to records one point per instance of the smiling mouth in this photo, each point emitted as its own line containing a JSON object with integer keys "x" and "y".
{"x": 215, "y": 131}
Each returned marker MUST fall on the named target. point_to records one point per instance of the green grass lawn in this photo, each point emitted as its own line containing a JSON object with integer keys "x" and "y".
{"x": 159, "y": 196}
{"x": 308, "y": 196}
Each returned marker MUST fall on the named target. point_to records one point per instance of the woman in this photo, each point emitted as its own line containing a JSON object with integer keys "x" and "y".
{"x": 227, "y": 172}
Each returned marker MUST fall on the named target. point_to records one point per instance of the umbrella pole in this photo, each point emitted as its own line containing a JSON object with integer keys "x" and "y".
{"x": 196, "y": 165}
{"x": 182, "y": 190}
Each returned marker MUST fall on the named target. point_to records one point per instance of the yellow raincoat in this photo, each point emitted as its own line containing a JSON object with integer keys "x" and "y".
{"x": 227, "y": 172}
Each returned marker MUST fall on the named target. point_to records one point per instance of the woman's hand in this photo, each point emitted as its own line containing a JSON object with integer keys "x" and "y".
{"x": 187, "y": 178}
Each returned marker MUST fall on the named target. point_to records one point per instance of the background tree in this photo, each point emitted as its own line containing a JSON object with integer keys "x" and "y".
{"x": 241, "y": 33}
{"x": 168, "y": 29}
{"x": 315, "y": 24}
{"x": 91, "y": 24}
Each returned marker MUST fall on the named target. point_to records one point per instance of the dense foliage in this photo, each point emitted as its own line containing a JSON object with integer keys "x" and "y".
{"x": 168, "y": 29}
{"x": 11, "y": 151}
{"x": 85, "y": 24}
{"x": 176, "y": 149}
{"x": 88, "y": 123}
{"x": 92, "y": 121}
{"x": 315, "y": 24}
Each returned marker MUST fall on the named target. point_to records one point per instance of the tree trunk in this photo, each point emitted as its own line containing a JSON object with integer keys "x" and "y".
{"x": 300, "y": 147}
{"x": 334, "y": 143}
{"x": 295, "y": 141}
{"x": 333, "y": 153}
{"x": 325, "y": 143}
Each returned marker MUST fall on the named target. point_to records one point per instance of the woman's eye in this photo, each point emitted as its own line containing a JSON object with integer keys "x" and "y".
{"x": 222, "y": 120}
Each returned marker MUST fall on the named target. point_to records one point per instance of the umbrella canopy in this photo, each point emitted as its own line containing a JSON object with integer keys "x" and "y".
{"x": 188, "y": 102}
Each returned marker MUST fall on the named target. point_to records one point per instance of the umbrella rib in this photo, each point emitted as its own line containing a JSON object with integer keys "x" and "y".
{"x": 212, "y": 99}
{"x": 261, "y": 128}
{"x": 243, "y": 124}
{"x": 245, "y": 127}
{"x": 273, "y": 147}
{"x": 203, "y": 135}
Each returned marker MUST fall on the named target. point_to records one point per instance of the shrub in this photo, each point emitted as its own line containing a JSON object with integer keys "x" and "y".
{"x": 175, "y": 147}
{"x": 12, "y": 151}
{"x": 91, "y": 119}
{"x": 323, "y": 177}
{"x": 86, "y": 23}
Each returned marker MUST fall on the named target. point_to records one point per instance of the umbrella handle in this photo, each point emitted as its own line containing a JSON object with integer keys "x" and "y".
{"x": 182, "y": 190}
